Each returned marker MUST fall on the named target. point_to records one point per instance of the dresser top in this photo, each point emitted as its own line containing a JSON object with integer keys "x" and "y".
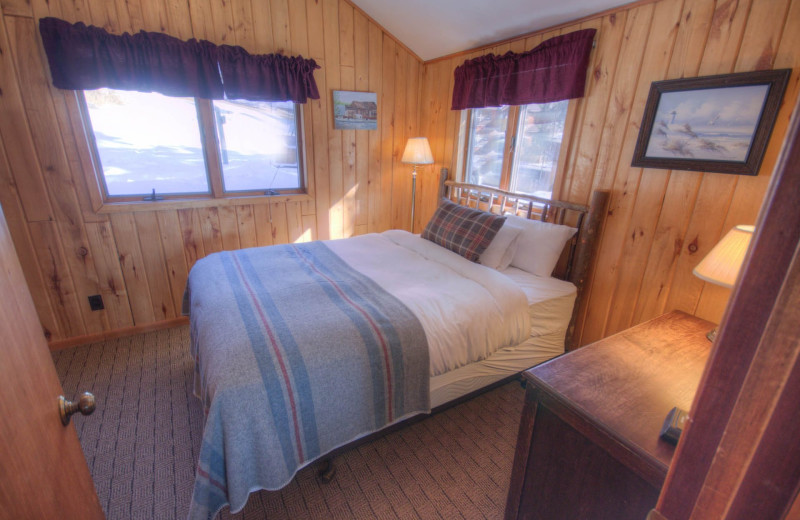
{"x": 625, "y": 384}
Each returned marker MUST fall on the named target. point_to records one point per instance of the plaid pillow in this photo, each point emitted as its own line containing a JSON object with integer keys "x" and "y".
{"x": 463, "y": 230}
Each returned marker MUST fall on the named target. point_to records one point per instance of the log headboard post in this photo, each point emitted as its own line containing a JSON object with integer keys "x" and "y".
{"x": 585, "y": 251}
{"x": 442, "y": 179}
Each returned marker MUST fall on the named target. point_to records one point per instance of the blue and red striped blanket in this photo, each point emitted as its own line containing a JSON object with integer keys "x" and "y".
{"x": 295, "y": 355}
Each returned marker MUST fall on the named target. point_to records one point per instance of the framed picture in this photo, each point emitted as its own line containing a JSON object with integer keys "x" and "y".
{"x": 712, "y": 124}
{"x": 355, "y": 110}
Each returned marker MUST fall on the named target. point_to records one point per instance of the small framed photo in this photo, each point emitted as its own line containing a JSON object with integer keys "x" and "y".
{"x": 355, "y": 110}
{"x": 711, "y": 124}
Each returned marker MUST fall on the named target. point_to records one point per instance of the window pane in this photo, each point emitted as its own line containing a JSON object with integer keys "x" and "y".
{"x": 487, "y": 139}
{"x": 147, "y": 141}
{"x": 541, "y": 128}
{"x": 258, "y": 144}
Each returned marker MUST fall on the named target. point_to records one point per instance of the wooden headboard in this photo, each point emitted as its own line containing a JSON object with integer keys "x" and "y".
{"x": 579, "y": 252}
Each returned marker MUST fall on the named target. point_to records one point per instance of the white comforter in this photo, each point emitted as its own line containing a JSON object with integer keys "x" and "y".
{"x": 468, "y": 311}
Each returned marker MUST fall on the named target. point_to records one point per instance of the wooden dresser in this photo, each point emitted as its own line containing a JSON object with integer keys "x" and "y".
{"x": 588, "y": 445}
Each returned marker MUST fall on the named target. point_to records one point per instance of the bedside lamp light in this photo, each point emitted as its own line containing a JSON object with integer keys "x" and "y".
{"x": 417, "y": 151}
{"x": 721, "y": 265}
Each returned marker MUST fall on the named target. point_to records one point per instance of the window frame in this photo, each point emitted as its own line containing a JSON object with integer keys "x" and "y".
{"x": 219, "y": 190}
{"x": 216, "y": 195}
{"x": 509, "y": 148}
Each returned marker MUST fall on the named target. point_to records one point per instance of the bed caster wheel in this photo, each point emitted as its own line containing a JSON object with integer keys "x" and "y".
{"x": 327, "y": 471}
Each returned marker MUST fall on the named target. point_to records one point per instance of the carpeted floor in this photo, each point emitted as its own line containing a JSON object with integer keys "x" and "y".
{"x": 143, "y": 439}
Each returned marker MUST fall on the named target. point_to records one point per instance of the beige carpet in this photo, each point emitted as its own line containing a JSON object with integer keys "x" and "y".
{"x": 143, "y": 440}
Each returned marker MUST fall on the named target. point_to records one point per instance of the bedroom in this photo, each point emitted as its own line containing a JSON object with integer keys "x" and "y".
{"x": 660, "y": 225}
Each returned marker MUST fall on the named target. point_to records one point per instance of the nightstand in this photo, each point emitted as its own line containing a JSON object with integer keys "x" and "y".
{"x": 588, "y": 445}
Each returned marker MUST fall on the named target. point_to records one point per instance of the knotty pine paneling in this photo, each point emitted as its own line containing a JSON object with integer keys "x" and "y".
{"x": 139, "y": 261}
{"x": 660, "y": 223}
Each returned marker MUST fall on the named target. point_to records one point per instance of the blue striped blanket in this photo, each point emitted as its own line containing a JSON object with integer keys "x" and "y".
{"x": 295, "y": 355}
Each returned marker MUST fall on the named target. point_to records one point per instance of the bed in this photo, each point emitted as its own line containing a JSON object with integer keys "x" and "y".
{"x": 301, "y": 349}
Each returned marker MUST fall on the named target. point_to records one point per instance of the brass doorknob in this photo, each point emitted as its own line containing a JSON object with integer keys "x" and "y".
{"x": 85, "y": 405}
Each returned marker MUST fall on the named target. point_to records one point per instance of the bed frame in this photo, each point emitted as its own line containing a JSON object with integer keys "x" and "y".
{"x": 574, "y": 266}
{"x": 577, "y": 258}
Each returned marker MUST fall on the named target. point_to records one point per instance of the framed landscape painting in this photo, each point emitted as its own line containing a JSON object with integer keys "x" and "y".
{"x": 712, "y": 124}
{"x": 355, "y": 110}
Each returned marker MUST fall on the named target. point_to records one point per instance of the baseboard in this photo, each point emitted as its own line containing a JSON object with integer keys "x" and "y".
{"x": 117, "y": 333}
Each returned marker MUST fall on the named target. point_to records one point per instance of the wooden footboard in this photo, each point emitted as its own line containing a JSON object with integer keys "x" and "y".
{"x": 577, "y": 258}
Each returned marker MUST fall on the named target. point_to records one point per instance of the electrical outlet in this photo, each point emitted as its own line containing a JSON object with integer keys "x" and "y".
{"x": 96, "y": 302}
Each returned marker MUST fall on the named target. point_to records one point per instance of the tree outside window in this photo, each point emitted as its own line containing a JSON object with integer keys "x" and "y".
{"x": 516, "y": 148}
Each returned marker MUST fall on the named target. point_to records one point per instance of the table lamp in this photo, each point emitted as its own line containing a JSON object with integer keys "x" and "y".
{"x": 721, "y": 265}
{"x": 417, "y": 151}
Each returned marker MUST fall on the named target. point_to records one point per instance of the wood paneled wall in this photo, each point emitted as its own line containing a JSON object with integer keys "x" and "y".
{"x": 660, "y": 223}
{"x": 139, "y": 261}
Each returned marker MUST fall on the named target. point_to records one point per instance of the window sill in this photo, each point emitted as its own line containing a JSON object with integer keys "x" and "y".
{"x": 205, "y": 202}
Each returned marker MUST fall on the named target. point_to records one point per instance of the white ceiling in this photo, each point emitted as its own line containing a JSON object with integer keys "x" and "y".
{"x": 435, "y": 28}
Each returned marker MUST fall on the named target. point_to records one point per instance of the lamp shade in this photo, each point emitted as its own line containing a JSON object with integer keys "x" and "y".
{"x": 721, "y": 265}
{"x": 417, "y": 151}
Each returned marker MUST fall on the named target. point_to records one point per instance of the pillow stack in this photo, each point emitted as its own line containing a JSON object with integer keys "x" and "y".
{"x": 463, "y": 230}
{"x": 530, "y": 245}
{"x": 498, "y": 242}
{"x": 539, "y": 245}
{"x": 501, "y": 250}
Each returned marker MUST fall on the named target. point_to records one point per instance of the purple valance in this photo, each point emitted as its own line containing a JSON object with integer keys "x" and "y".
{"x": 552, "y": 71}
{"x": 86, "y": 57}
{"x": 83, "y": 58}
{"x": 267, "y": 77}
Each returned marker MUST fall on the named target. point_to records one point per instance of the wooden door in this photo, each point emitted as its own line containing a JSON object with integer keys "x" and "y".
{"x": 43, "y": 473}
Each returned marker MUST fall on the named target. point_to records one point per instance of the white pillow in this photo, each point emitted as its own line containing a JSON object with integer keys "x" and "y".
{"x": 501, "y": 249}
{"x": 539, "y": 245}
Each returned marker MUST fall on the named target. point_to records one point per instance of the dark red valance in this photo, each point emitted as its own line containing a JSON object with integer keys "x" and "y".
{"x": 554, "y": 70}
{"x": 267, "y": 77}
{"x": 86, "y": 57}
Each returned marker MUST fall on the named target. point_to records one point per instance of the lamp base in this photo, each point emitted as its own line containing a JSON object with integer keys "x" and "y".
{"x": 712, "y": 334}
{"x": 413, "y": 195}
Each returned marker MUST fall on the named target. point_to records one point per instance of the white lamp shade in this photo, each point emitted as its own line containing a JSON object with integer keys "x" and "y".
{"x": 417, "y": 151}
{"x": 721, "y": 265}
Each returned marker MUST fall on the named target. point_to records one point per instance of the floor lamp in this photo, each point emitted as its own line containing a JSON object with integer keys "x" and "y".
{"x": 417, "y": 151}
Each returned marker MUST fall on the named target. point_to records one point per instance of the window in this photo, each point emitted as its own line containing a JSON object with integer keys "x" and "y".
{"x": 487, "y": 143}
{"x": 186, "y": 147}
{"x": 257, "y": 145}
{"x": 147, "y": 142}
{"x": 516, "y": 148}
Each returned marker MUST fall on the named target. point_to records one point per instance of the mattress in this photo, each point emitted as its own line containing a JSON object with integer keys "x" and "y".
{"x": 550, "y": 303}
{"x": 468, "y": 311}
{"x": 458, "y": 371}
